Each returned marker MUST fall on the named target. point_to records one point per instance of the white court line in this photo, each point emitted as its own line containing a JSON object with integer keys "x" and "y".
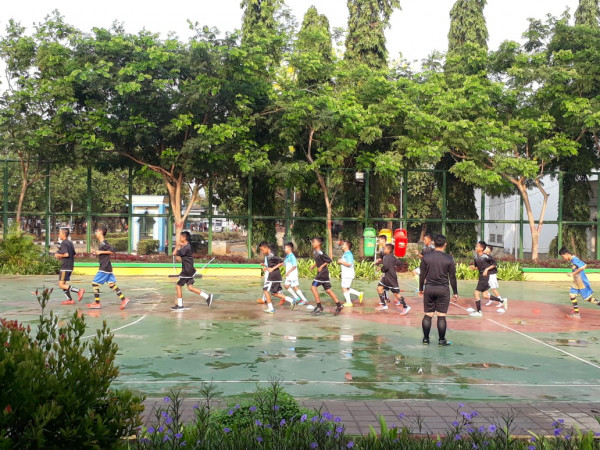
{"x": 428, "y": 383}
{"x": 120, "y": 328}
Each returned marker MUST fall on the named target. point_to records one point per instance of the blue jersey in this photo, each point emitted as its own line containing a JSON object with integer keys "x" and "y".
{"x": 348, "y": 272}
{"x": 291, "y": 262}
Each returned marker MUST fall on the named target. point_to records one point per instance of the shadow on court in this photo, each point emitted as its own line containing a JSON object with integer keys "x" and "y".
{"x": 530, "y": 352}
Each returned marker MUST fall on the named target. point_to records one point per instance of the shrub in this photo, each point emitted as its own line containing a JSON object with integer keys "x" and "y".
{"x": 147, "y": 247}
{"x": 56, "y": 386}
{"x": 120, "y": 244}
{"x": 19, "y": 255}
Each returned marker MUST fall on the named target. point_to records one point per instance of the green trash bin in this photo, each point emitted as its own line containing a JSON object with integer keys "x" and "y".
{"x": 369, "y": 242}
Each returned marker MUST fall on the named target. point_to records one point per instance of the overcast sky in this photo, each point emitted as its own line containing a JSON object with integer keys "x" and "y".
{"x": 418, "y": 29}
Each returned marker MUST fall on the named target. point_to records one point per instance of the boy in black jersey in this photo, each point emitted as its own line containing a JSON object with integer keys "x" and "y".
{"x": 66, "y": 253}
{"x": 105, "y": 271}
{"x": 322, "y": 278}
{"x": 493, "y": 274}
{"x": 381, "y": 243}
{"x": 483, "y": 264}
{"x": 427, "y": 247}
{"x": 184, "y": 251}
{"x": 389, "y": 281}
{"x": 272, "y": 286}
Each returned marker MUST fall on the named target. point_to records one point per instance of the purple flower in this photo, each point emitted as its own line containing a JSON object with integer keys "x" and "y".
{"x": 161, "y": 429}
{"x": 226, "y": 430}
{"x": 230, "y": 412}
{"x": 196, "y": 406}
{"x": 164, "y": 414}
{"x": 166, "y": 438}
{"x": 475, "y": 446}
{"x": 257, "y": 423}
{"x": 482, "y": 429}
{"x": 314, "y": 419}
{"x": 337, "y": 436}
{"x": 438, "y": 443}
{"x": 401, "y": 416}
{"x": 350, "y": 444}
{"x": 237, "y": 406}
{"x": 531, "y": 447}
{"x": 327, "y": 416}
{"x": 252, "y": 408}
{"x": 337, "y": 419}
{"x": 339, "y": 429}
{"x": 455, "y": 423}
{"x": 457, "y": 437}
{"x": 166, "y": 399}
{"x": 282, "y": 423}
{"x": 474, "y": 413}
{"x": 532, "y": 439}
{"x": 467, "y": 416}
{"x": 303, "y": 418}
{"x": 561, "y": 420}
{"x": 314, "y": 445}
{"x": 168, "y": 421}
{"x": 183, "y": 444}
{"x": 275, "y": 408}
{"x": 492, "y": 428}
{"x": 460, "y": 405}
{"x": 486, "y": 443}
{"x": 470, "y": 430}
{"x": 178, "y": 435}
{"x": 557, "y": 432}
{"x": 259, "y": 438}
{"x": 329, "y": 433}
{"x": 150, "y": 430}
{"x": 567, "y": 437}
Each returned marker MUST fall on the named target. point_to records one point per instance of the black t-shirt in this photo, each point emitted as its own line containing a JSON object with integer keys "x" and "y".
{"x": 320, "y": 259}
{"x": 427, "y": 249}
{"x": 482, "y": 262}
{"x": 67, "y": 263}
{"x": 439, "y": 269}
{"x": 388, "y": 269}
{"x": 492, "y": 262}
{"x": 187, "y": 261}
{"x": 105, "y": 265}
{"x": 272, "y": 261}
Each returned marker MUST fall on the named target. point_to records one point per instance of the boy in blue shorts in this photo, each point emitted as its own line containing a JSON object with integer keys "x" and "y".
{"x": 105, "y": 272}
{"x": 581, "y": 284}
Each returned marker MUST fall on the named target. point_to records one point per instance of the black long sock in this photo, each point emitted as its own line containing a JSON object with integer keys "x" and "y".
{"x": 496, "y": 299}
{"x": 478, "y": 305}
{"x": 67, "y": 294}
{"x": 426, "y": 324}
{"x": 74, "y": 289}
{"x": 382, "y": 298}
{"x": 441, "y": 324}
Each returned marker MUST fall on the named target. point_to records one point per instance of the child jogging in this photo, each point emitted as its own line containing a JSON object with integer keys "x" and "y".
{"x": 389, "y": 281}
{"x": 427, "y": 247}
{"x": 105, "y": 271}
{"x": 66, "y": 253}
{"x": 292, "y": 282}
{"x": 272, "y": 286}
{"x": 322, "y": 278}
{"x": 493, "y": 282}
{"x": 183, "y": 250}
{"x": 581, "y": 284}
{"x": 483, "y": 264}
{"x": 348, "y": 274}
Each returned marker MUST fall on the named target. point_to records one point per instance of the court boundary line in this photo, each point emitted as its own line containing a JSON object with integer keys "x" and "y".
{"x": 120, "y": 328}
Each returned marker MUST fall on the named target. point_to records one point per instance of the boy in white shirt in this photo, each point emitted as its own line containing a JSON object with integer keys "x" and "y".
{"x": 292, "y": 283}
{"x": 348, "y": 274}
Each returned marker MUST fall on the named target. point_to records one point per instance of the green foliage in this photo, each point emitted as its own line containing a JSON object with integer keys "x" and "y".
{"x": 121, "y": 244}
{"x": 147, "y": 247}
{"x": 574, "y": 238}
{"x": 56, "y": 386}
{"x": 19, "y": 255}
{"x": 467, "y": 24}
{"x": 587, "y": 13}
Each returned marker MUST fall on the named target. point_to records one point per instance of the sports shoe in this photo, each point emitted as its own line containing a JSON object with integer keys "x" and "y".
{"x": 124, "y": 303}
{"x": 444, "y": 343}
{"x": 360, "y": 297}
{"x": 500, "y": 310}
{"x": 209, "y": 300}
{"x": 270, "y": 311}
{"x": 470, "y": 310}
{"x": 574, "y": 316}
{"x": 405, "y": 310}
{"x": 318, "y": 309}
{"x": 290, "y": 300}
{"x": 381, "y": 308}
{"x": 310, "y": 307}
{"x": 67, "y": 302}
{"x": 425, "y": 341}
{"x": 281, "y": 302}
{"x": 504, "y": 304}
{"x": 593, "y": 301}
{"x": 293, "y": 304}
{"x": 348, "y": 304}
{"x": 177, "y": 308}
{"x": 302, "y": 302}
{"x": 476, "y": 314}
{"x": 94, "y": 305}
{"x": 489, "y": 302}
{"x": 338, "y": 309}
{"x": 80, "y": 294}
{"x": 261, "y": 301}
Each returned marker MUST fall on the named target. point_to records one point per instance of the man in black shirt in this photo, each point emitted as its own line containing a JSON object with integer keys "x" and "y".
{"x": 184, "y": 251}
{"x": 439, "y": 269}
{"x": 322, "y": 260}
{"x": 66, "y": 253}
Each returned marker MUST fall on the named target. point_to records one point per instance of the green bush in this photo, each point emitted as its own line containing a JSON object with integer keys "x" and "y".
{"x": 147, "y": 247}
{"x": 120, "y": 244}
{"x": 56, "y": 386}
{"x": 19, "y": 255}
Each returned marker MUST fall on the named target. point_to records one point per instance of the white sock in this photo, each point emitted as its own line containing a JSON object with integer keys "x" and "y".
{"x": 179, "y": 302}
{"x": 270, "y": 307}
{"x": 291, "y": 291}
{"x": 354, "y": 292}
{"x": 301, "y": 295}
{"x": 204, "y": 295}
{"x": 347, "y": 296}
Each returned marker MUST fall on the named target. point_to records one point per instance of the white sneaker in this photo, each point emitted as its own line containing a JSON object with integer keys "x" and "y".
{"x": 476, "y": 314}
{"x": 470, "y": 310}
{"x": 504, "y": 303}
{"x": 348, "y": 305}
{"x": 501, "y": 310}
{"x": 270, "y": 311}
{"x": 489, "y": 302}
{"x": 405, "y": 310}
{"x": 381, "y": 307}
{"x": 310, "y": 307}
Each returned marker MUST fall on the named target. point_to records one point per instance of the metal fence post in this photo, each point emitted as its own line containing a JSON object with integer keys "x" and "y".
{"x": 560, "y": 209}
{"x": 210, "y": 214}
{"x": 404, "y": 199}
{"x": 130, "y": 212}
{"x": 4, "y": 228}
{"x": 249, "y": 242}
{"x": 367, "y": 172}
{"x": 88, "y": 218}
{"x": 288, "y": 236}
{"x": 598, "y": 216}
{"x": 48, "y": 217}
{"x": 521, "y": 228}
{"x": 444, "y": 202}
{"x": 482, "y": 223}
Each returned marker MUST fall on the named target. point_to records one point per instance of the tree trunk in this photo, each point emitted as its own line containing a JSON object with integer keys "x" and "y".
{"x": 533, "y": 227}
{"x": 328, "y": 208}
{"x": 174, "y": 186}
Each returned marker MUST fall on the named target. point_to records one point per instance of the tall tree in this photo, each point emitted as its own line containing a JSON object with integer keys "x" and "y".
{"x": 587, "y": 13}
{"x": 467, "y": 25}
{"x": 367, "y": 22}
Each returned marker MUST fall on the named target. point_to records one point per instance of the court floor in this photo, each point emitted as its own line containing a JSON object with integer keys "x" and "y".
{"x": 530, "y": 352}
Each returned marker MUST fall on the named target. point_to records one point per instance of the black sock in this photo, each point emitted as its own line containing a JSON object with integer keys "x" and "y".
{"x": 402, "y": 302}
{"x": 441, "y": 324}
{"x": 478, "y": 305}
{"x": 496, "y": 299}
{"x": 67, "y": 294}
{"x": 426, "y": 324}
{"x": 74, "y": 289}
{"x": 382, "y": 298}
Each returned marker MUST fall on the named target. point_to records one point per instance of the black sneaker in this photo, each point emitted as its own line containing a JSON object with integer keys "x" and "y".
{"x": 177, "y": 308}
{"x": 444, "y": 343}
{"x": 209, "y": 300}
{"x": 318, "y": 309}
{"x": 425, "y": 341}
{"x": 338, "y": 309}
